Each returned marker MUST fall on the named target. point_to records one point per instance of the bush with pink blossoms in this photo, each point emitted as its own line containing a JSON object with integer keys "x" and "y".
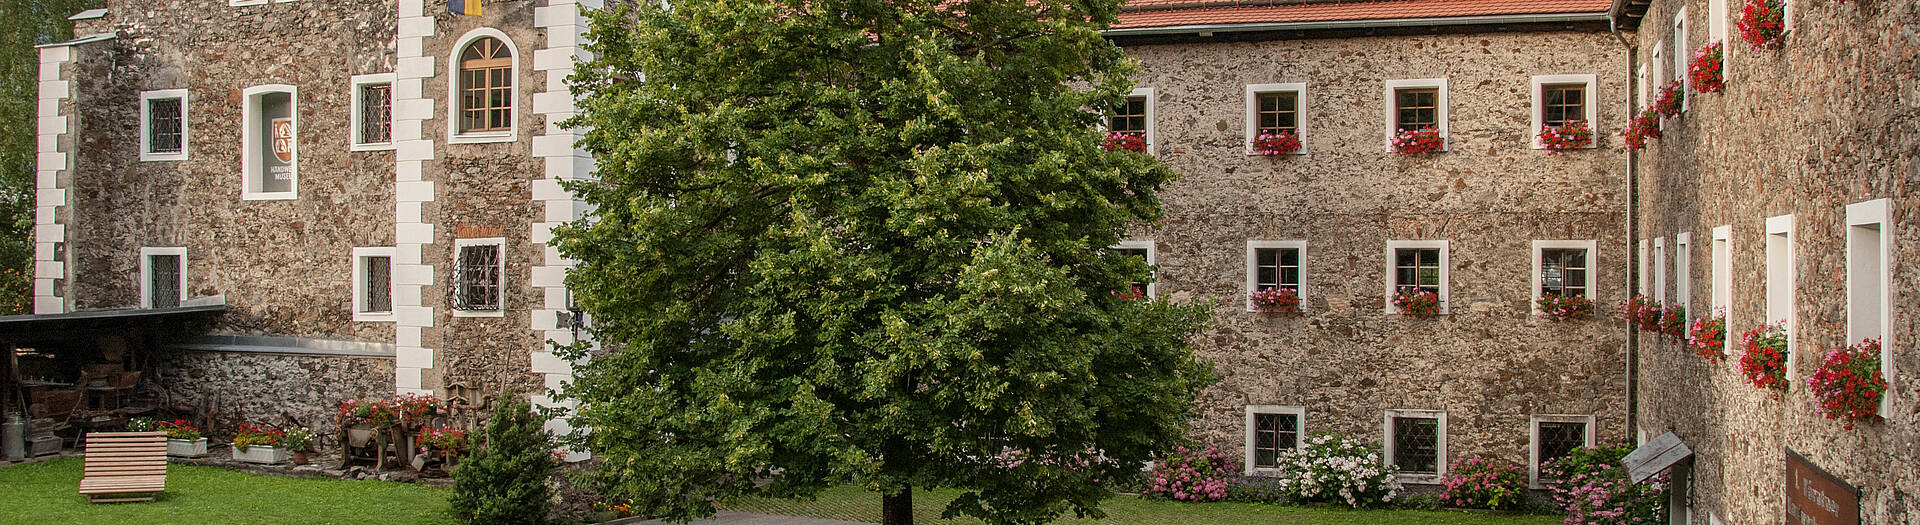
{"x": 1593, "y": 488}
{"x": 1338, "y": 469}
{"x": 1191, "y": 475}
{"x": 1484, "y": 483}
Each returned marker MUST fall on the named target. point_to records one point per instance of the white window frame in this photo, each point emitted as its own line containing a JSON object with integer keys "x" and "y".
{"x": 1153, "y": 130}
{"x": 1153, "y": 255}
{"x": 1646, "y": 271}
{"x": 355, "y": 120}
{"x": 146, "y": 273}
{"x": 1780, "y": 282}
{"x": 499, "y": 243}
{"x": 1439, "y": 462}
{"x": 359, "y": 304}
{"x": 1682, "y": 268}
{"x": 1253, "y": 248}
{"x": 1660, "y": 270}
{"x": 1446, "y": 268}
{"x": 1877, "y": 213}
{"x": 1592, "y": 246}
{"x": 1392, "y": 113}
{"x": 1682, "y": 56}
{"x": 1533, "y": 441}
{"x": 1300, "y": 435}
{"x": 1645, "y": 88}
{"x": 454, "y": 135}
{"x": 1659, "y": 66}
{"x": 1717, "y": 24}
{"x": 1252, "y": 122}
{"x": 1722, "y": 298}
{"x": 250, "y": 143}
{"x": 1540, "y": 111}
{"x": 146, "y": 120}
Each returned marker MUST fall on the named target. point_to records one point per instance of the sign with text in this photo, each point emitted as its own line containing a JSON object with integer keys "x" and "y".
{"x": 1815, "y": 497}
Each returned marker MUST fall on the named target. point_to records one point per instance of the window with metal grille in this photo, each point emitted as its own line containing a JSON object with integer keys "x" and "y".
{"x": 1563, "y": 103}
{"x": 1138, "y": 287}
{"x": 1417, "y": 108}
{"x": 1273, "y": 434}
{"x": 378, "y": 289}
{"x": 376, "y": 113}
{"x": 1416, "y": 445}
{"x": 1563, "y": 272}
{"x": 1560, "y": 438}
{"x": 1276, "y": 268}
{"x": 163, "y": 274}
{"x": 1279, "y": 111}
{"x": 486, "y": 86}
{"x": 1129, "y": 116}
{"x": 163, "y": 125}
{"x": 478, "y": 273}
{"x": 1417, "y": 268}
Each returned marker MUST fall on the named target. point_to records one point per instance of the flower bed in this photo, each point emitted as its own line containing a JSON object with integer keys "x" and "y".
{"x": 1848, "y": 383}
{"x": 1484, "y": 483}
{"x": 250, "y": 435}
{"x": 1133, "y": 141}
{"x": 1565, "y": 308}
{"x": 1671, "y": 98}
{"x": 1336, "y": 468}
{"x": 1276, "y": 300}
{"x": 1269, "y": 143}
{"x": 1642, "y": 128}
{"x": 1593, "y": 489}
{"x": 1704, "y": 74}
{"x": 1763, "y": 24}
{"x": 1764, "y": 357}
{"x": 1570, "y": 136}
{"x": 1191, "y": 475}
{"x": 447, "y": 441}
{"x": 1708, "y": 336}
{"x": 1419, "y": 141}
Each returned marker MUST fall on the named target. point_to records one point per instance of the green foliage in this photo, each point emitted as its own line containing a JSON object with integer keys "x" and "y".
{"x": 43, "y": 492}
{"x": 867, "y": 242}
{"x": 23, "y": 24}
{"x": 506, "y": 480}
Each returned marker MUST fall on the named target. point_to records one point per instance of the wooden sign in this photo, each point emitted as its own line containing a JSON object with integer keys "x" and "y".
{"x": 283, "y": 139}
{"x": 1655, "y": 456}
{"x": 1815, "y": 497}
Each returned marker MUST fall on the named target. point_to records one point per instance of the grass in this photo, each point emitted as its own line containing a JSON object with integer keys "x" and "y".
{"x": 45, "y": 492}
{"x": 857, "y": 504}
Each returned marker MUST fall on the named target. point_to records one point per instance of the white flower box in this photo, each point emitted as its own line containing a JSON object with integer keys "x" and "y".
{"x": 262, "y": 454}
{"x": 180, "y": 448}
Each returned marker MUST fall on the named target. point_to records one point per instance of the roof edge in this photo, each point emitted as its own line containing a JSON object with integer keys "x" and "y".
{"x": 1535, "y": 18}
{"x": 77, "y": 41}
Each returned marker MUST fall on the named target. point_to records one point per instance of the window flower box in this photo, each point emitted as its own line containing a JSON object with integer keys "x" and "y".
{"x": 1558, "y": 307}
{"x": 1284, "y": 142}
{"x": 1704, "y": 74}
{"x": 1671, "y": 96}
{"x": 1277, "y": 300}
{"x": 260, "y": 444}
{"x": 186, "y": 448}
{"x": 1418, "y": 141}
{"x": 183, "y": 440}
{"x": 1848, "y": 383}
{"x": 1570, "y": 136}
{"x": 1125, "y": 140}
{"x": 1708, "y": 336}
{"x": 1763, "y": 24}
{"x": 262, "y": 454}
{"x": 1417, "y": 302}
{"x": 1642, "y": 313}
{"x": 1641, "y": 128}
{"x": 1673, "y": 322}
{"x": 1764, "y": 357}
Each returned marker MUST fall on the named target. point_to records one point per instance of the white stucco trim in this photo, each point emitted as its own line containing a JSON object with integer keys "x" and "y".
{"x": 146, "y": 272}
{"x": 413, "y": 230}
{"x": 1301, "y": 118}
{"x": 1592, "y": 104}
{"x": 565, "y": 24}
{"x": 454, "y": 135}
{"x": 250, "y": 143}
{"x": 1153, "y": 258}
{"x": 1390, "y": 105}
{"x": 1252, "y": 267}
{"x": 1300, "y": 432}
{"x": 1660, "y": 270}
{"x": 1683, "y": 272}
{"x": 1153, "y": 129}
{"x": 1870, "y": 261}
{"x": 1533, "y": 440}
{"x": 146, "y": 121}
{"x": 1446, "y": 267}
{"x": 1440, "y": 461}
{"x": 1682, "y": 56}
{"x": 1721, "y": 297}
{"x": 355, "y": 118}
{"x": 51, "y": 160}
{"x": 1592, "y": 246}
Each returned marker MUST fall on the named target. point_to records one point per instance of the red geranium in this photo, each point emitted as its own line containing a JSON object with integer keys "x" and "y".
{"x": 1271, "y": 143}
{"x": 1125, "y": 140}
{"x": 1764, "y": 357}
{"x": 1642, "y": 313}
{"x": 1708, "y": 336}
{"x": 1704, "y": 72}
{"x": 1671, "y": 95}
{"x": 1417, "y": 302}
{"x": 1572, "y": 135}
{"x": 1643, "y": 127}
{"x": 1277, "y": 300}
{"x": 1673, "y": 322}
{"x": 1763, "y": 24}
{"x": 1849, "y": 383}
{"x": 1420, "y": 141}
{"x": 1564, "y": 307}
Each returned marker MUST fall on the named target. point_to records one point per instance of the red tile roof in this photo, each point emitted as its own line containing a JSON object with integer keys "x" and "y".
{"x": 1168, "y": 13}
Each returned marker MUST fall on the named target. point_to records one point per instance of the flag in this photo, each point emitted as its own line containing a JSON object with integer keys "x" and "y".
{"x": 464, "y": 7}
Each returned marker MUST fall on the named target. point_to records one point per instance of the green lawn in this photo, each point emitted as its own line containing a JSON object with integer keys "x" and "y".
{"x": 856, "y": 504}
{"x": 45, "y": 492}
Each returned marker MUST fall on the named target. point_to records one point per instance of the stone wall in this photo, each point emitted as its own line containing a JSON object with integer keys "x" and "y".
{"x": 1829, "y": 121}
{"x": 1489, "y": 364}
{"x": 247, "y": 387}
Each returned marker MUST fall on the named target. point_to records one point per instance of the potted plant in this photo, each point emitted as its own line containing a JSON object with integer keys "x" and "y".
{"x": 1764, "y": 357}
{"x": 299, "y": 441}
{"x": 362, "y": 418}
{"x": 1641, "y": 128}
{"x": 183, "y": 440}
{"x": 1703, "y": 74}
{"x": 1708, "y": 336}
{"x": 447, "y": 443}
{"x": 1642, "y": 313}
{"x": 1559, "y": 307}
{"x": 1277, "y": 300}
{"x": 260, "y": 444}
{"x": 1669, "y": 102}
{"x": 1133, "y": 141}
{"x": 1418, "y": 141}
{"x": 1673, "y": 322}
{"x": 1417, "y": 302}
{"x": 1849, "y": 384}
{"x": 1269, "y": 143}
{"x": 1763, "y": 24}
{"x": 1572, "y": 135}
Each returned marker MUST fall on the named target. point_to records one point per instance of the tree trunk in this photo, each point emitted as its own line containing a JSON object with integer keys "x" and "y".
{"x": 897, "y": 509}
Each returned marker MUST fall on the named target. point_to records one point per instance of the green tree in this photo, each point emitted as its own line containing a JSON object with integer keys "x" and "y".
{"x": 505, "y": 481}
{"x": 23, "y": 24}
{"x": 867, "y": 241}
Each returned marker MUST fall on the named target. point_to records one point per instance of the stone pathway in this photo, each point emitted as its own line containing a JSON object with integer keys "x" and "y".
{"x": 741, "y": 518}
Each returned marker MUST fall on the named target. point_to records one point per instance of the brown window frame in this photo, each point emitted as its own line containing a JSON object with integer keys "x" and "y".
{"x": 1576, "y": 108}
{"x": 1270, "y": 268}
{"x": 1557, "y": 259}
{"x": 1401, "y": 269}
{"x": 1279, "y": 115}
{"x": 486, "y": 82}
{"x": 1123, "y": 116}
{"x": 1401, "y": 107}
{"x": 1271, "y": 441}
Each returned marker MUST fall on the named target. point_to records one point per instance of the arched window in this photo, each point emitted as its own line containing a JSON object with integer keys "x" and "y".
{"x": 486, "y": 86}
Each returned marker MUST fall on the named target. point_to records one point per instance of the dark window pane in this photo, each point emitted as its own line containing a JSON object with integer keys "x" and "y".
{"x": 1290, "y": 276}
{"x": 1416, "y": 444}
{"x": 1558, "y": 439}
{"x": 163, "y": 125}
{"x": 376, "y": 110}
{"x": 164, "y": 287}
{"x": 379, "y": 285}
{"x": 479, "y": 274}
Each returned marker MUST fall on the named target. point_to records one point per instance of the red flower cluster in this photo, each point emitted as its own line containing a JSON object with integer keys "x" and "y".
{"x": 367, "y": 411}
{"x": 1763, "y": 24}
{"x": 412, "y": 407}
{"x": 1643, "y": 127}
{"x": 1642, "y": 313}
{"x": 442, "y": 439}
{"x": 1132, "y": 294}
{"x": 1417, "y": 302}
{"x": 1277, "y": 300}
{"x": 1849, "y": 384}
{"x": 1125, "y": 140}
{"x": 1673, "y": 322}
{"x": 1420, "y": 141}
{"x": 1572, "y": 135}
{"x": 1671, "y": 95}
{"x": 1704, "y": 72}
{"x": 1565, "y": 307}
{"x": 251, "y": 435}
{"x": 1764, "y": 359}
{"x": 1708, "y": 336}
{"x": 1269, "y": 143}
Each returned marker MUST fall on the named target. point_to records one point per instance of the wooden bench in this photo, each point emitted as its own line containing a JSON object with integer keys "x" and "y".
{"x": 124, "y": 464}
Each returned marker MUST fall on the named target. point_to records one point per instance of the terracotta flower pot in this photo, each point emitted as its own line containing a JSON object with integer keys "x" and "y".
{"x": 300, "y": 458}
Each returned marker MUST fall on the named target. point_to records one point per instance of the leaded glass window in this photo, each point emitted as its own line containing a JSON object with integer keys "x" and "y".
{"x": 1273, "y": 434}
{"x": 1416, "y": 445}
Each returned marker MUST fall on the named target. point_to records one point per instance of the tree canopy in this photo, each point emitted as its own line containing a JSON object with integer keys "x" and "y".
{"x": 23, "y": 24}
{"x": 868, "y": 241}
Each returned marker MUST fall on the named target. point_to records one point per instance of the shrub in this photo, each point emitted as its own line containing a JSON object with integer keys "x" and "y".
{"x": 1569, "y": 136}
{"x": 1642, "y": 313}
{"x": 1564, "y": 307}
{"x": 299, "y": 439}
{"x": 1270, "y": 143}
{"x": 506, "y": 479}
{"x": 1763, "y": 24}
{"x": 1256, "y": 489}
{"x": 1673, "y": 322}
{"x": 1593, "y": 489}
{"x": 1848, "y": 383}
{"x": 1339, "y": 469}
{"x": 1125, "y": 140}
{"x": 1641, "y": 128}
{"x": 251, "y": 435}
{"x": 1704, "y": 72}
{"x": 1191, "y": 475}
{"x": 1484, "y": 483}
{"x": 1670, "y": 99}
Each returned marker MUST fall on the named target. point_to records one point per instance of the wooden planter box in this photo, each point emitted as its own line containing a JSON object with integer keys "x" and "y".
{"x": 180, "y": 448}
{"x": 262, "y": 455}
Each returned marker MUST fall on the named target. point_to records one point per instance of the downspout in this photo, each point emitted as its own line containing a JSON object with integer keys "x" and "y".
{"x": 1633, "y": 241}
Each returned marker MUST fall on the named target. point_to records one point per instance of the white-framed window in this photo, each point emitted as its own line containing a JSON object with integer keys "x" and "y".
{"x": 1418, "y": 264}
{"x": 483, "y": 96}
{"x": 163, "y": 125}
{"x": 372, "y": 107}
{"x": 1646, "y": 271}
{"x": 1780, "y": 282}
{"x": 1275, "y": 107}
{"x": 1416, "y": 442}
{"x": 479, "y": 275}
{"x": 1276, "y": 264}
{"x": 163, "y": 277}
{"x": 1682, "y": 270}
{"x": 1143, "y": 249}
{"x": 1660, "y": 270}
{"x": 1416, "y": 103}
{"x": 1558, "y": 99}
{"x": 1135, "y": 115}
{"x": 1645, "y": 87}
{"x": 1682, "y": 55}
{"x": 1870, "y": 237}
{"x": 1717, "y": 22}
{"x": 1564, "y": 268}
{"x": 1659, "y": 66}
{"x": 1272, "y": 430}
{"x": 373, "y": 284}
{"x": 1722, "y": 296}
{"x": 270, "y": 149}
{"x": 1553, "y": 436}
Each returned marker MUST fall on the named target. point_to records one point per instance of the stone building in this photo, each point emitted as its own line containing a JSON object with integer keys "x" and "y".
{"x": 1788, "y": 197}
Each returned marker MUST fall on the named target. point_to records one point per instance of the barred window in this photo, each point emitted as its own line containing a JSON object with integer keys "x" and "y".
{"x": 486, "y": 86}
{"x": 163, "y": 125}
{"x": 1563, "y": 103}
{"x": 1417, "y": 268}
{"x": 1279, "y": 111}
{"x": 1560, "y": 438}
{"x": 1563, "y": 272}
{"x": 1416, "y": 445}
{"x": 376, "y": 113}
{"x": 1273, "y": 433}
{"x": 378, "y": 288}
{"x": 478, "y": 278}
{"x": 1417, "y": 108}
{"x": 163, "y": 281}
